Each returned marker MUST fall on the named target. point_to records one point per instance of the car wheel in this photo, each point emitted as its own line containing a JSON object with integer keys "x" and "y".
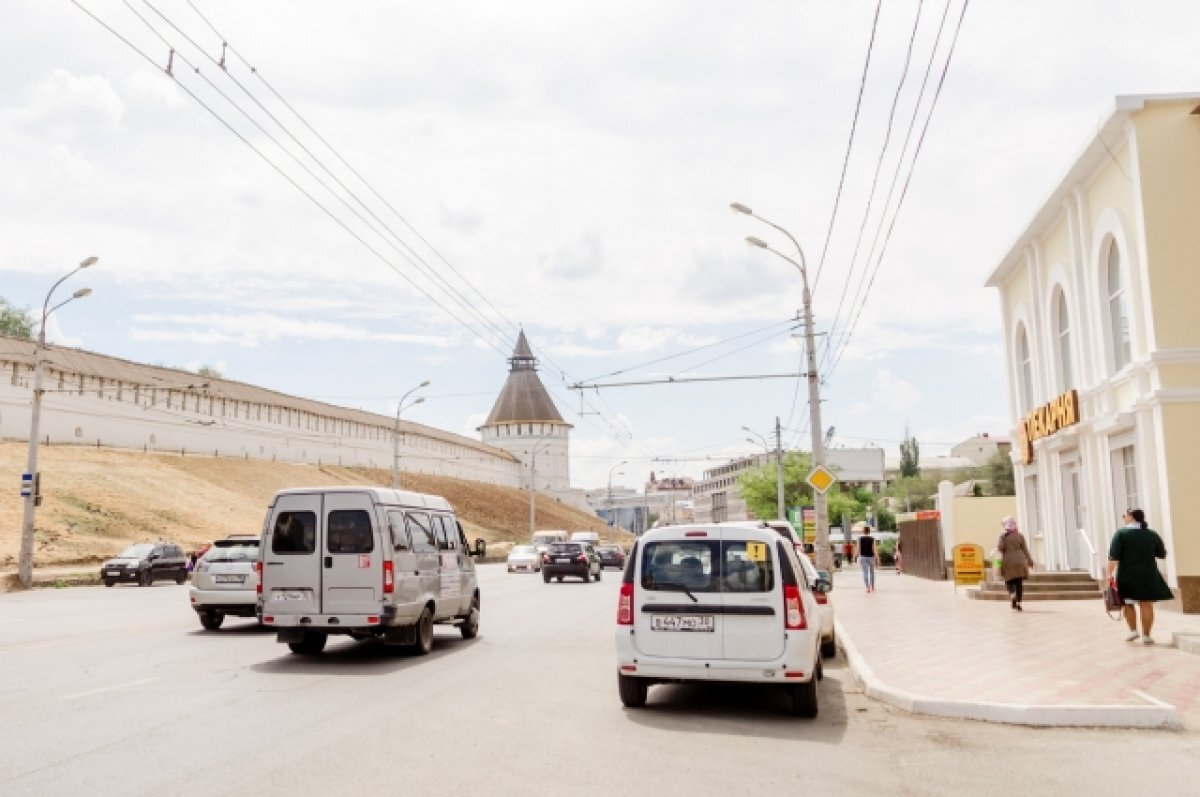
{"x": 545, "y": 577}
{"x": 559, "y": 579}
{"x": 632, "y": 690}
{"x": 312, "y": 644}
{"x": 181, "y": 576}
{"x": 211, "y": 620}
{"x": 804, "y": 698}
{"x": 424, "y": 642}
{"x": 145, "y": 578}
{"x": 108, "y": 582}
{"x": 470, "y": 626}
{"x": 829, "y": 646}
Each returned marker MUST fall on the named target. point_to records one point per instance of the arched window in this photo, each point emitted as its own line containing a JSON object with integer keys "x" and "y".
{"x": 1025, "y": 370}
{"x": 1118, "y": 310}
{"x": 1062, "y": 326}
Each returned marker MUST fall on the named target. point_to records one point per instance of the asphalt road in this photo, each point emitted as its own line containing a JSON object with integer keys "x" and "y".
{"x": 119, "y": 692}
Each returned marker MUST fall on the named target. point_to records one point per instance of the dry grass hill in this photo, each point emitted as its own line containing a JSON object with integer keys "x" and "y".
{"x": 95, "y": 501}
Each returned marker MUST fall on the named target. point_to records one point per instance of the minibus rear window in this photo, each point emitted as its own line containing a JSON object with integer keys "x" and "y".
{"x": 295, "y": 532}
{"x": 349, "y": 531}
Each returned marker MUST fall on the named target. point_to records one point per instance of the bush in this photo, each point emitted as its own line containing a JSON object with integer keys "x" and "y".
{"x": 887, "y": 552}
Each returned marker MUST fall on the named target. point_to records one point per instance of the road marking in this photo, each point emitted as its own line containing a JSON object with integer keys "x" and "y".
{"x": 108, "y": 689}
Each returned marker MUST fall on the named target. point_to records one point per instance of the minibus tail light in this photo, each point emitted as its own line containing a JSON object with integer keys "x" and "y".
{"x": 389, "y": 577}
{"x": 258, "y": 571}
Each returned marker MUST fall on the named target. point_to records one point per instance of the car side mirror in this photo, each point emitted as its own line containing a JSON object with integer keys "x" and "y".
{"x": 480, "y": 547}
{"x": 152, "y": 557}
{"x": 822, "y": 585}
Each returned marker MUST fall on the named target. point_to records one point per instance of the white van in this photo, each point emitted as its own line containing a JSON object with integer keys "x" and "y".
{"x": 589, "y": 537}
{"x": 543, "y": 539}
{"x": 367, "y": 562}
{"x": 718, "y": 602}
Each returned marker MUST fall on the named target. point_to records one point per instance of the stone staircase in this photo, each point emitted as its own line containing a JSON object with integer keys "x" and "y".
{"x": 1057, "y": 586}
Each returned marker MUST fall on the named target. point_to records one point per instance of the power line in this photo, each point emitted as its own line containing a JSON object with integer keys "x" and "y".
{"x": 904, "y": 193}
{"x": 862, "y": 84}
{"x": 887, "y": 139}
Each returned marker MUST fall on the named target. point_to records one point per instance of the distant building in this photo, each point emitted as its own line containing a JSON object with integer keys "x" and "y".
{"x": 981, "y": 448}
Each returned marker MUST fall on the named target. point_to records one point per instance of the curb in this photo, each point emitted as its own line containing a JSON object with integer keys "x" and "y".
{"x": 1156, "y": 714}
{"x": 1188, "y": 643}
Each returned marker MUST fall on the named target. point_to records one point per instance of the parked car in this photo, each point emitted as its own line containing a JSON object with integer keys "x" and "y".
{"x": 570, "y": 559}
{"x": 144, "y": 563}
{"x": 524, "y": 558}
{"x": 718, "y": 602}
{"x": 824, "y": 606}
{"x": 225, "y": 581}
{"x": 366, "y": 562}
{"x": 611, "y": 555}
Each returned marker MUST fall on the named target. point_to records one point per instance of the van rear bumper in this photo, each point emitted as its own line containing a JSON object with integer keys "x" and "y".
{"x": 332, "y": 623}
{"x": 796, "y": 665}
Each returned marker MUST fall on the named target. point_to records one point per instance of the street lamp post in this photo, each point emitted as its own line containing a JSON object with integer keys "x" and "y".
{"x": 533, "y": 486}
{"x": 612, "y": 518}
{"x": 25, "y": 560}
{"x": 824, "y": 557}
{"x": 396, "y": 432}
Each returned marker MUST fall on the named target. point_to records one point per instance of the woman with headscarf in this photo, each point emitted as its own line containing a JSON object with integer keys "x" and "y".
{"x": 1015, "y": 561}
{"x": 1131, "y": 555}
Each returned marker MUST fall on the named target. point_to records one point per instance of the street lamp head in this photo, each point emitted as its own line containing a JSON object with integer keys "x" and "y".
{"x": 82, "y": 292}
{"x": 424, "y": 384}
{"x": 420, "y": 400}
{"x": 759, "y": 242}
{"x": 88, "y": 261}
{"x": 738, "y": 207}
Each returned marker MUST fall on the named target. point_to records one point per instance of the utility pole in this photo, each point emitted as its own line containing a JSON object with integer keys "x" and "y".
{"x": 779, "y": 471}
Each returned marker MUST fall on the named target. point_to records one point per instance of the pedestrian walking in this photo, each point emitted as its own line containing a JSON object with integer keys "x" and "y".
{"x": 867, "y": 545}
{"x": 1131, "y": 556}
{"x": 1015, "y": 561}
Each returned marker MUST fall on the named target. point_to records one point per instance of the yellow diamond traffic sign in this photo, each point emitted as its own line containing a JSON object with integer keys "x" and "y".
{"x": 821, "y": 479}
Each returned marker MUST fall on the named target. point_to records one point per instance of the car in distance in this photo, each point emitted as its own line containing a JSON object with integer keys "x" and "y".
{"x": 524, "y": 558}
{"x": 144, "y": 563}
{"x": 717, "y": 602}
{"x": 570, "y": 559}
{"x": 611, "y": 555}
{"x": 225, "y": 581}
{"x": 542, "y": 539}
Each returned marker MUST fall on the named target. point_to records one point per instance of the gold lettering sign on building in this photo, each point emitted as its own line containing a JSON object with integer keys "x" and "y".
{"x": 1046, "y": 420}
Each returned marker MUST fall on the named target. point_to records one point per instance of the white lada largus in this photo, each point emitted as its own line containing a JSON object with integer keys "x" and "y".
{"x": 719, "y": 602}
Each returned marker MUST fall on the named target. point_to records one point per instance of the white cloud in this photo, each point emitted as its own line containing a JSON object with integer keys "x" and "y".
{"x": 894, "y": 392}
{"x": 259, "y": 328}
{"x": 860, "y": 409}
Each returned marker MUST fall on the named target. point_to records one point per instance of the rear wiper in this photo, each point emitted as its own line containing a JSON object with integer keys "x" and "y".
{"x": 680, "y": 588}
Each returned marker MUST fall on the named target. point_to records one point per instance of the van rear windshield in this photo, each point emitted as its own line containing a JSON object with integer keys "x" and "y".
{"x": 349, "y": 531}
{"x": 708, "y": 566}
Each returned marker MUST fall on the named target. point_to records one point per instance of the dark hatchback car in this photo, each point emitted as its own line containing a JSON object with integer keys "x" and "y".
{"x": 611, "y": 556}
{"x": 570, "y": 559}
{"x": 145, "y": 563}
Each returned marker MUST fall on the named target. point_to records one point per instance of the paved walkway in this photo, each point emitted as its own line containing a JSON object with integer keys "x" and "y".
{"x": 919, "y": 645}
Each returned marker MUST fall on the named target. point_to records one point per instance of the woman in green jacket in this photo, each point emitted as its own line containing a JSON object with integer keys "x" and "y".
{"x": 1131, "y": 555}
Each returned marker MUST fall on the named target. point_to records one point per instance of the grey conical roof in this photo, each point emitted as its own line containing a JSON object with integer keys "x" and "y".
{"x": 524, "y": 397}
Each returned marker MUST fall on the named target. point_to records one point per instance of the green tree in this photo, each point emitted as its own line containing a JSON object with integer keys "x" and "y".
{"x": 210, "y": 371}
{"x": 999, "y": 474}
{"x": 910, "y": 456}
{"x": 759, "y": 486}
{"x": 913, "y": 493}
{"x": 14, "y": 322}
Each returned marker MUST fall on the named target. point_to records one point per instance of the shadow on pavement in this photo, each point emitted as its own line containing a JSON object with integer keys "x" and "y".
{"x": 757, "y": 710}
{"x": 344, "y": 656}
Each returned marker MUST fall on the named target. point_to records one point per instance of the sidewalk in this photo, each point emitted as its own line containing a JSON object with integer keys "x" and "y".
{"x": 917, "y": 645}
{"x": 72, "y": 575}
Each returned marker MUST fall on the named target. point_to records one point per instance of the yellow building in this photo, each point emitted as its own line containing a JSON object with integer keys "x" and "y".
{"x": 1102, "y": 337}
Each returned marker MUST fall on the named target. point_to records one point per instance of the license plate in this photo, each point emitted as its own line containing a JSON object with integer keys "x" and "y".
{"x": 113, "y": 573}
{"x": 563, "y": 561}
{"x": 290, "y": 596}
{"x": 229, "y": 579}
{"x": 687, "y": 622}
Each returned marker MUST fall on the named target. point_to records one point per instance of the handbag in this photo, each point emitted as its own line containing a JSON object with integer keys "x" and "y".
{"x": 1112, "y": 601}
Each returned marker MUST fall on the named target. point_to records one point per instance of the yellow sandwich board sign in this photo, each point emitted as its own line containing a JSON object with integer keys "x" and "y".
{"x": 968, "y": 564}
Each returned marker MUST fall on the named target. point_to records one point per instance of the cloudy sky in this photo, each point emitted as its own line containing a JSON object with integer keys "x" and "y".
{"x": 398, "y": 185}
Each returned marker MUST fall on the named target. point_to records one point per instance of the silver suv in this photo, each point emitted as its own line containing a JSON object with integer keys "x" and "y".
{"x": 225, "y": 581}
